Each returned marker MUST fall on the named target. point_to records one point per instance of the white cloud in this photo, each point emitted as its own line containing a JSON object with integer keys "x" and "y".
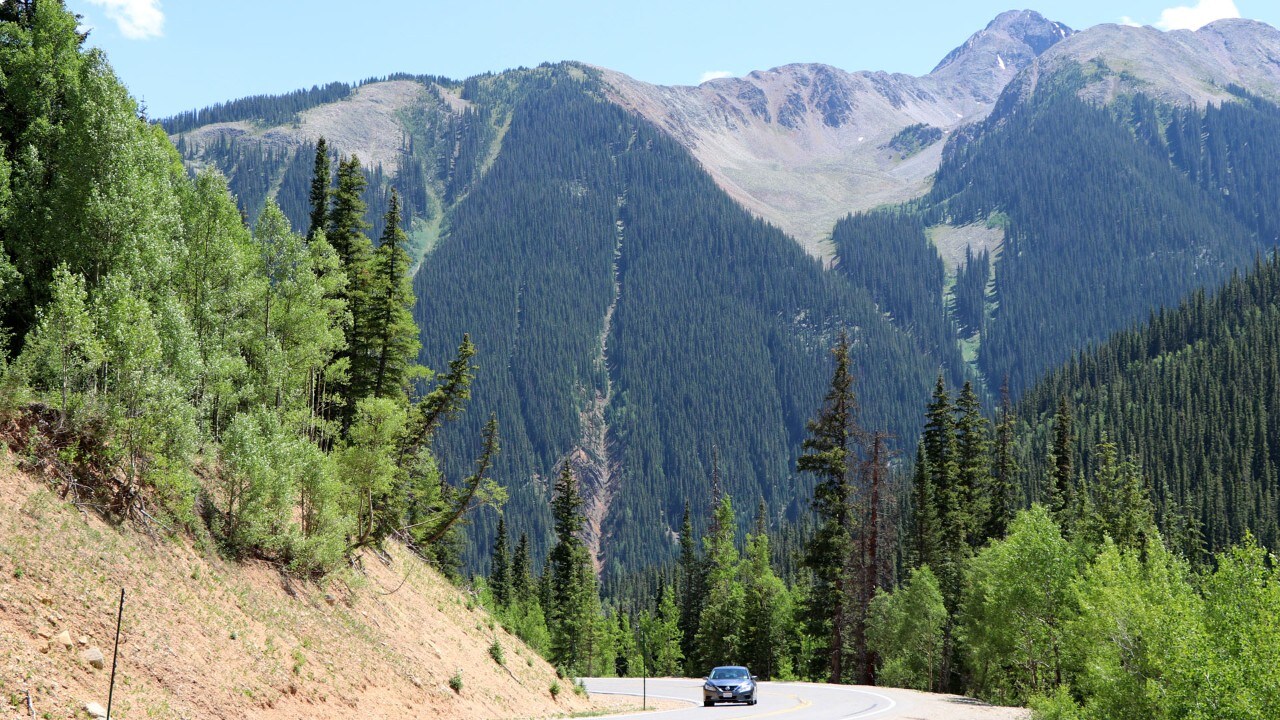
{"x": 1126, "y": 20}
{"x": 714, "y": 75}
{"x": 1194, "y": 17}
{"x": 137, "y": 19}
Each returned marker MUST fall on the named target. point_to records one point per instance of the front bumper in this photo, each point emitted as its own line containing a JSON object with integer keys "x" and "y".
{"x": 738, "y": 695}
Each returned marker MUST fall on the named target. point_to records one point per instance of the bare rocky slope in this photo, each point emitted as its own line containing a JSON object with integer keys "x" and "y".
{"x": 803, "y": 145}
{"x": 1179, "y": 67}
{"x": 207, "y": 638}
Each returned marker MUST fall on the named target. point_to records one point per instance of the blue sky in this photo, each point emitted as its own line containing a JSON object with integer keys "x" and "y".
{"x": 180, "y": 54}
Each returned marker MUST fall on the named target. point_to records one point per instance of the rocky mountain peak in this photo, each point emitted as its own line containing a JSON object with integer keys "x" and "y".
{"x": 991, "y": 56}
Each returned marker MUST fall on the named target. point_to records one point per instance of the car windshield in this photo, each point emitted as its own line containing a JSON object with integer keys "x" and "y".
{"x": 728, "y": 673}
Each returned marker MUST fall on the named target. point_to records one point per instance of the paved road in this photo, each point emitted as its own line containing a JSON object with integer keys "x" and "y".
{"x": 792, "y": 701}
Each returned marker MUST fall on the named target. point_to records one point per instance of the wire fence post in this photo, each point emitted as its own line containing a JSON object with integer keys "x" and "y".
{"x": 115, "y": 655}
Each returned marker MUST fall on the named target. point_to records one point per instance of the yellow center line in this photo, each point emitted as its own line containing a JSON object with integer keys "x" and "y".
{"x": 801, "y": 704}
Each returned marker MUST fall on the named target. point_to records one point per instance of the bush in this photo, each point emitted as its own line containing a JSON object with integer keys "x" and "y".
{"x": 555, "y": 689}
{"x": 455, "y": 682}
{"x": 495, "y": 652}
{"x": 1058, "y": 706}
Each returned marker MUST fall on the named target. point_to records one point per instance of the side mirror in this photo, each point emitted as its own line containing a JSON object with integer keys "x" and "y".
{"x": 753, "y": 677}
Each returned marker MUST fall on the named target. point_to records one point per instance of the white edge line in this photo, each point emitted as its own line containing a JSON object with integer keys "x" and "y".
{"x": 643, "y": 713}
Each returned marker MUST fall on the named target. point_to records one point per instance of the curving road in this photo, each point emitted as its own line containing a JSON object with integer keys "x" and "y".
{"x": 803, "y": 701}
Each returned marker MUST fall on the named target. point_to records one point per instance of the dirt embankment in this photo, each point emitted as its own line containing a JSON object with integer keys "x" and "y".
{"x": 208, "y": 638}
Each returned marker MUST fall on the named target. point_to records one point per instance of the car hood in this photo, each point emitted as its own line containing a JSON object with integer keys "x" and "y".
{"x": 729, "y": 682}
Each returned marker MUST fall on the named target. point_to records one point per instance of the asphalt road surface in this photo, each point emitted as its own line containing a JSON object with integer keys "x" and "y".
{"x": 800, "y": 701}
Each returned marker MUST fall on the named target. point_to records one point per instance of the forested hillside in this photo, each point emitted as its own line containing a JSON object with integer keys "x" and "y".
{"x": 590, "y": 257}
{"x": 1107, "y": 213}
{"x": 623, "y": 288}
{"x": 1194, "y": 396}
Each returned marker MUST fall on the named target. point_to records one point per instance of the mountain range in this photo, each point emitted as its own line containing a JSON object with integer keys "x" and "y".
{"x": 653, "y": 275}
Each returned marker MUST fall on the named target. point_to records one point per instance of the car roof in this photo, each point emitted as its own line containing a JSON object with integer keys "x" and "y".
{"x": 728, "y": 667}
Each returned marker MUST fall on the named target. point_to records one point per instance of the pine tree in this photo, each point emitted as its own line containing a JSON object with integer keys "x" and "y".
{"x": 572, "y": 587}
{"x": 345, "y": 224}
{"x": 1004, "y": 470}
{"x": 941, "y": 454}
{"x": 1060, "y": 480}
{"x": 522, "y": 586}
{"x": 973, "y": 470}
{"x": 346, "y": 228}
{"x": 925, "y": 540}
{"x": 500, "y": 574}
{"x": 319, "y": 190}
{"x": 830, "y": 453}
{"x": 692, "y": 595}
{"x": 766, "y": 616}
{"x": 386, "y": 343}
{"x": 720, "y": 629}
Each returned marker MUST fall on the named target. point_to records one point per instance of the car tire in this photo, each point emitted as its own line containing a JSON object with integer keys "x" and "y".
{"x": 708, "y": 703}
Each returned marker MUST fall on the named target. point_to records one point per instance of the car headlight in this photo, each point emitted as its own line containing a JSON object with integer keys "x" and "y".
{"x": 709, "y": 686}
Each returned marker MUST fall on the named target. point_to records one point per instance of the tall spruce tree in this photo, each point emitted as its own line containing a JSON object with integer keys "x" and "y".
{"x": 973, "y": 465}
{"x": 572, "y": 579}
{"x": 692, "y": 595}
{"x": 346, "y": 228}
{"x": 500, "y": 568}
{"x": 925, "y": 539}
{"x": 319, "y": 195}
{"x": 1060, "y": 478}
{"x": 1004, "y": 470}
{"x": 720, "y": 628}
{"x": 386, "y": 342}
{"x": 522, "y": 588}
{"x": 831, "y": 454}
{"x": 941, "y": 455}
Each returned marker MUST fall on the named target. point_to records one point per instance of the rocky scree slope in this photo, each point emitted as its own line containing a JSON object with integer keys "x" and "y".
{"x": 802, "y": 145}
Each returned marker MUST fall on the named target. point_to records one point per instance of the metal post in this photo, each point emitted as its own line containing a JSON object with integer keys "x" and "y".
{"x": 115, "y": 655}
{"x": 644, "y": 673}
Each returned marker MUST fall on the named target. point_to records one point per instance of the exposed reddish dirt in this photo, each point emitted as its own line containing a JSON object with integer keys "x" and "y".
{"x": 207, "y": 638}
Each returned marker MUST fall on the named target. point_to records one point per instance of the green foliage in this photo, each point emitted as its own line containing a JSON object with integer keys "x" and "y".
{"x": 63, "y": 351}
{"x": 1137, "y": 613}
{"x": 906, "y": 630}
{"x": 1015, "y": 608}
{"x": 455, "y": 682}
{"x": 662, "y": 639}
{"x": 368, "y": 465}
{"x": 889, "y": 253}
{"x": 720, "y": 631}
{"x": 914, "y": 138}
{"x": 766, "y": 613}
{"x": 969, "y": 303}
{"x": 495, "y": 652}
{"x": 1191, "y": 399}
{"x": 1084, "y": 259}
